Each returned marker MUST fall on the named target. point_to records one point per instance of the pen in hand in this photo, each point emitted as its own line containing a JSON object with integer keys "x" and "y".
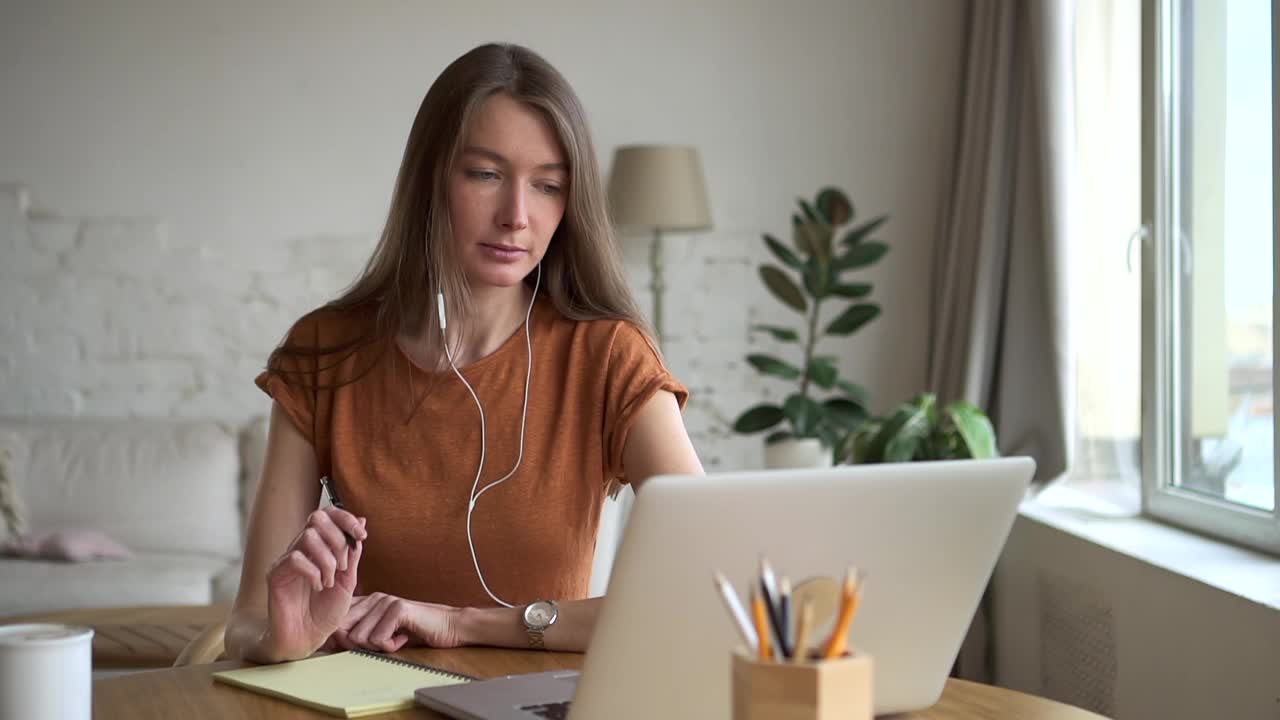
{"x": 327, "y": 484}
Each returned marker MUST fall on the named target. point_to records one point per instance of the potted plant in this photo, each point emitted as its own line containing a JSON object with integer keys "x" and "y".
{"x": 919, "y": 430}
{"x": 809, "y": 277}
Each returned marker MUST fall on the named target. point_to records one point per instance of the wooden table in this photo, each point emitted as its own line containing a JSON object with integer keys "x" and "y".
{"x": 190, "y": 693}
{"x": 134, "y": 637}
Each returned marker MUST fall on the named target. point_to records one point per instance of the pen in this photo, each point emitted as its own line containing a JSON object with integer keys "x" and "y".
{"x": 838, "y": 641}
{"x": 799, "y": 653}
{"x": 762, "y": 625}
{"x": 327, "y": 484}
{"x": 736, "y": 611}
{"x": 784, "y": 616}
{"x": 769, "y": 593}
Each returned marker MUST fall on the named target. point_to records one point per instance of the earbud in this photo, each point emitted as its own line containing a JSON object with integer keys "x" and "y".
{"x": 440, "y": 307}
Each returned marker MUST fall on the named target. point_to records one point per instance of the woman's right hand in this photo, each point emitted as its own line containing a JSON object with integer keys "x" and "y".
{"x": 309, "y": 588}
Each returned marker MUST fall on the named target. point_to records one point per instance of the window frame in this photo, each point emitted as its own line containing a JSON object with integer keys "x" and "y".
{"x": 1164, "y": 359}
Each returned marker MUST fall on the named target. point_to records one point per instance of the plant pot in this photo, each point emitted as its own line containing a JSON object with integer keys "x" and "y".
{"x": 797, "y": 453}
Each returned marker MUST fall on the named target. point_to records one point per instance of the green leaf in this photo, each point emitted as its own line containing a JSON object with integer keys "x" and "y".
{"x": 760, "y": 417}
{"x": 830, "y": 438}
{"x": 818, "y": 277}
{"x": 770, "y": 365}
{"x": 862, "y": 445}
{"x": 777, "y": 436}
{"x": 856, "y": 392}
{"x": 974, "y": 428}
{"x": 778, "y": 333}
{"x": 813, "y": 215}
{"x": 854, "y": 317}
{"x": 783, "y": 287}
{"x": 860, "y": 233}
{"x": 906, "y": 432}
{"x": 845, "y": 413}
{"x": 852, "y": 291}
{"x": 804, "y": 414}
{"x": 882, "y": 447}
{"x": 834, "y": 206}
{"x": 860, "y": 255}
{"x": 783, "y": 253}
{"x": 800, "y": 235}
{"x": 946, "y": 444}
{"x": 823, "y": 372}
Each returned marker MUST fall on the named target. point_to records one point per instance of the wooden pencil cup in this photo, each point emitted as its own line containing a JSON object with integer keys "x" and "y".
{"x": 838, "y": 689}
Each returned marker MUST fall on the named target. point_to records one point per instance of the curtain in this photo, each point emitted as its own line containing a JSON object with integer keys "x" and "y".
{"x": 999, "y": 334}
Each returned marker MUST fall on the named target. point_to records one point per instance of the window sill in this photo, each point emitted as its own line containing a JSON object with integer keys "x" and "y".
{"x": 1245, "y": 573}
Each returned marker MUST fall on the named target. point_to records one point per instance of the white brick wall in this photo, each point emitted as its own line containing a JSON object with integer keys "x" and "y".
{"x": 113, "y": 316}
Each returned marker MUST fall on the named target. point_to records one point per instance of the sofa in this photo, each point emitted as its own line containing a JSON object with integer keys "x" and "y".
{"x": 175, "y": 492}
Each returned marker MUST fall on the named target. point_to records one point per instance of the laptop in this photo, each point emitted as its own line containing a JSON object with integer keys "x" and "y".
{"x": 927, "y": 535}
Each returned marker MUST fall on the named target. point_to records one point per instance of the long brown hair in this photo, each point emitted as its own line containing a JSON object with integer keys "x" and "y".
{"x": 414, "y": 258}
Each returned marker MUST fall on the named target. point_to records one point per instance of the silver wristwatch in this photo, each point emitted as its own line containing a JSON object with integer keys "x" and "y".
{"x": 538, "y": 616}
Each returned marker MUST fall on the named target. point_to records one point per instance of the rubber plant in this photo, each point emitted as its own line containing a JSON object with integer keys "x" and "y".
{"x": 810, "y": 277}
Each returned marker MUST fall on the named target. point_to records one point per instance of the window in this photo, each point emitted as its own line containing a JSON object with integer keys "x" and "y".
{"x": 1175, "y": 262}
{"x": 1208, "y": 272}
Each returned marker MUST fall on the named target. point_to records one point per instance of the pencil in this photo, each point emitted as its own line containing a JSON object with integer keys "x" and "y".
{"x": 838, "y": 642}
{"x": 798, "y": 652}
{"x": 764, "y": 651}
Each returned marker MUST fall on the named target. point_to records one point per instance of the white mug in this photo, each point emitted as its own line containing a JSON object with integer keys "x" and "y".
{"x": 46, "y": 671}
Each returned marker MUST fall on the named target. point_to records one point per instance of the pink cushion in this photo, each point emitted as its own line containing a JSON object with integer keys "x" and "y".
{"x": 72, "y": 545}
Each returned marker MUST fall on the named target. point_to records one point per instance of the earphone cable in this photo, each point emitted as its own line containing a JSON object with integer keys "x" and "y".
{"x": 471, "y": 504}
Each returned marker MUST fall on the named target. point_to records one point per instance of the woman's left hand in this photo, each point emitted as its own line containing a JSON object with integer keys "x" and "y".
{"x": 386, "y": 623}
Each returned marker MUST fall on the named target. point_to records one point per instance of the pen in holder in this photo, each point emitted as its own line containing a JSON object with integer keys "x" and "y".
{"x": 835, "y": 689}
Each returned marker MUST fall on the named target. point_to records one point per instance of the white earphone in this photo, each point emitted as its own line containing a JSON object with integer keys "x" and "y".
{"x": 471, "y": 503}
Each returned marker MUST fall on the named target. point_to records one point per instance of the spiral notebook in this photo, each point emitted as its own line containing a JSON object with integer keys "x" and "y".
{"x": 346, "y": 684}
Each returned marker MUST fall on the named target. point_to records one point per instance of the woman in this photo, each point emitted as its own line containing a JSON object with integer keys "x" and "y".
{"x": 474, "y": 396}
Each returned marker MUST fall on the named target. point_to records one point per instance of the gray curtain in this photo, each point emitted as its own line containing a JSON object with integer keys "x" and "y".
{"x": 999, "y": 330}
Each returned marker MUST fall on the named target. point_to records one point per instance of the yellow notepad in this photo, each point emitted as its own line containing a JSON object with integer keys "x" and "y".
{"x": 346, "y": 684}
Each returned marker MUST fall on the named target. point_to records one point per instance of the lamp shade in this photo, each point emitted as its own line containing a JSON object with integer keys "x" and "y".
{"x": 658, "y": 186}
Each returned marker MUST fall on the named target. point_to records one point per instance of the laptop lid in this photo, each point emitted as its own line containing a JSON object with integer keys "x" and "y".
{"x": 927, "y": 534}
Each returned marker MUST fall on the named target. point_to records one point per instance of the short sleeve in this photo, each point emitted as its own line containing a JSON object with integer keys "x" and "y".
{"x": 291, "y": 377}
{"x": 635, "y": 372}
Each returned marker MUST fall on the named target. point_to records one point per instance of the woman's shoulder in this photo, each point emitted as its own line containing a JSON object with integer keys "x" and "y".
{"x": 329, "y": 341}
{"x": 599, "y": 333}
{"x": 330, "y": 325}
{"x": 607, "y": 342}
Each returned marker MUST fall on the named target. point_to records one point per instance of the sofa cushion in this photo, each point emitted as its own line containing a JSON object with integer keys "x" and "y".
{"x": 145, "y": 579}
{"x": 161, "y": 485}
{"x": 71, "y": 545}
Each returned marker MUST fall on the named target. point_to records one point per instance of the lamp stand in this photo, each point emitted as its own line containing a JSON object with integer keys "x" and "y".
{"x": 656, "y": 284}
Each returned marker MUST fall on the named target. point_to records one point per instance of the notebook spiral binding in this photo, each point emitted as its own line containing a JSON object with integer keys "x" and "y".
{"x": 411, "y": 664}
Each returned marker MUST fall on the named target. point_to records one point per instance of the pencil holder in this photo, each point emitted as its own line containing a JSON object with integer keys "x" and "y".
{"x": 837, "y": 689}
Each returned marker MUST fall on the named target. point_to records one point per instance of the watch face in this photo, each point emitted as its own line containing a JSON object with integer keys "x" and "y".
{"x": 540, "y": 614}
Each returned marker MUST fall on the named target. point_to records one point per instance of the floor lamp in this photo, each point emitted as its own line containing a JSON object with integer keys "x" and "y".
{"x": 659, "y": 188}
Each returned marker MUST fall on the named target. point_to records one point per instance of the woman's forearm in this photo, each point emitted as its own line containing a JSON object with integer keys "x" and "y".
{"x": 504, "y": 627}
{"x": 247, "y": 638}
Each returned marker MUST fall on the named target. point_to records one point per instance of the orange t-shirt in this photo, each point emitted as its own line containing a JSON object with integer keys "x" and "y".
{"x": 403, "y": 444}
